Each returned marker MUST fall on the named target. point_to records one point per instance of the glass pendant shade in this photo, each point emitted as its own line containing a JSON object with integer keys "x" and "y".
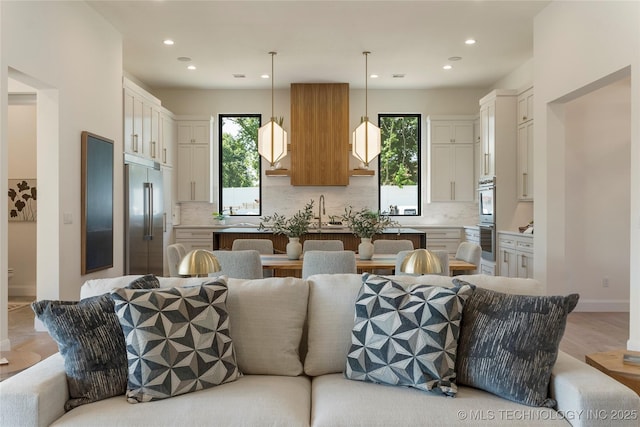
{"x": 272, "y": 142}
{"x": 421, "y": 261}
{"x": 198, "y": 262}
{"x": 366, "y": 141}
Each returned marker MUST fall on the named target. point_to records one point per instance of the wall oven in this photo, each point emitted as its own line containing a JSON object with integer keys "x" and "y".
{"x": 487, "y": 216}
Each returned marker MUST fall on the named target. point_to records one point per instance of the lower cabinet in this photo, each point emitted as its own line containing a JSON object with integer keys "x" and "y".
{"x": 195, "y": 238}
{"x": 487, "y": 267}
{"x": 515, "y": 255}
{"x": 443, "y": 239}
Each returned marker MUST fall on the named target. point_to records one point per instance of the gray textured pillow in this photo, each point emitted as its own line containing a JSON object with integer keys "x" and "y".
{"x": 91, "y": 342}
{"x": 509, "y": 343}
{"x": 177, "y": 340}
{"x": 406, "y": 337}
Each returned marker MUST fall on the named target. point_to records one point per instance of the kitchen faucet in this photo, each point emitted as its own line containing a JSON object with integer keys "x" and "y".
{"x": 321, "y": 211}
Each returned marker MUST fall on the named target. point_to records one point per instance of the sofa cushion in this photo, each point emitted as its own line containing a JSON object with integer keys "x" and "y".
{"x": 406, "y": 337}
{"x": 177, "y": 340}
{"x": 267, "y": 319}
{"x": 90, "y": 339}
{"x": 251, "y": 400}
{"x": 337, "y": 401}
{"x": 509, "y": 343}
{"x": 331, "y": 315}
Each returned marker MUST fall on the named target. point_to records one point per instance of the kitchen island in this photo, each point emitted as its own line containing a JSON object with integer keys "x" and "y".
{"x": 223, "y": 237}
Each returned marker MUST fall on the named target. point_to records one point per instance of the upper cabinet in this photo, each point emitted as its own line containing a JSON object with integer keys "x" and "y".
{"x": 168, "y": 137}
{"x": 142, "y": 123}
{"x": 498, "y": 132}
{"x": 320, "y": 134}
{"x": 525, "y": 146}
{"x": 451, "y": 150}
{"x": 525, "y": 106}
{"x": 194, "y": 160}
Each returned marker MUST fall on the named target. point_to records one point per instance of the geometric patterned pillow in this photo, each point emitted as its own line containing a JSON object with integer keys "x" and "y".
{"x": 177, "y": 340}
{"x": 406, "y": 337}
{"x": 90, "y": 340}
{"x": 509, "y": 343}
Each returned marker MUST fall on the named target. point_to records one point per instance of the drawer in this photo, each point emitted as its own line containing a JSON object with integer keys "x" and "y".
{"x": 194, "y": 233}
{"x": 506, "y": 242}
{"x": 190, "y": 245}
{"x": 451, "y": 246}
{"x": 525, "y": 246}
{"x": 444, "y": 233}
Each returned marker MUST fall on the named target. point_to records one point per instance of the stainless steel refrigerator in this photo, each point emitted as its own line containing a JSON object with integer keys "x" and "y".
{"x": 143, "y": 237}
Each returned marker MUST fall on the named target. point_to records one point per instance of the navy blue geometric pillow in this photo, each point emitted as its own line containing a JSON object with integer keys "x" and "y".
{"x": 177, "y": 340}
{"x": 406, "y": 337}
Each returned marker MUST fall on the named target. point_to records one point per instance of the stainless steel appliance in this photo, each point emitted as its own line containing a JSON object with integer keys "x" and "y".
{"x": 143, "y": 237}
{"x": 487, "y": 216}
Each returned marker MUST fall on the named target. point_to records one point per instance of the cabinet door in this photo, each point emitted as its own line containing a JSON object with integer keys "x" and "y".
{"x": 200, "y": 174}
{"x": 463, "y": 185}
{"x": 200, "y": 132}
{"x": 525, "y": 161}
{"x": 184, "y": 181}
{"x": 488, "y": 127}
{"x": 525, "y": 106}
{"x": 154, "y": 148}
{"x": 184, "y": 133}
{"x": 441, "y": 181}
{"x": 128, "y": 132}
{"x": 525, "y": 265}
{"x": 168, "y": 138}
{"x": 145, "y": 146}
{"x": 487, "y": 267}
{"x": 507, "y": 262}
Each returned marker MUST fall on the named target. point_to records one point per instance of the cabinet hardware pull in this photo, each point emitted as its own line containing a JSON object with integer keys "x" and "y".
{"x": 523, "y": 264}
{"x": 504, "y": 257}
{"x": 454, "y": 190}
{"x": 135, "y": 142}
{"x": 153, "y": 149}
{"x": 164, "y": 155}
{"x": 524, "y": 184}
{"x": 524, "y": 117}
{"x": 164, "y": 222}
{"x": 486, "y": 163}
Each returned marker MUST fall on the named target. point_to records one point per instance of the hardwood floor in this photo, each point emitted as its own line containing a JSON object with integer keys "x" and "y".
{"x": 585, "y": 333}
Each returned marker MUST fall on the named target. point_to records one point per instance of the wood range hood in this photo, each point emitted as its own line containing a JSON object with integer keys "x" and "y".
{"x": 319, "y": 135}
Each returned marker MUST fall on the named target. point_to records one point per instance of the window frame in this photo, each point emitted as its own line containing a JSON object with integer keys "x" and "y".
{"x": 418, "y": 117}
{"x": 221, "y": 118}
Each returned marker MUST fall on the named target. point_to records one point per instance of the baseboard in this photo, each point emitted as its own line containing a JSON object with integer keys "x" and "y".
{"x": 21, "y": 291}
{"x": 618, "y": 306}
{"x": 5, "y": 345}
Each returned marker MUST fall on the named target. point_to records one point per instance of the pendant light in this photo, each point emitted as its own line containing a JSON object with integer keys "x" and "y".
{"x": 272, "y": 139}
{"x": 421, "y": 261}
{"x": 366, "y": 137}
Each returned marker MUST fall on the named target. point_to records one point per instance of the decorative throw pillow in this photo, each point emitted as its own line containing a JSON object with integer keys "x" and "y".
{"x": 91, "y": 342}
{"x": 406, "y": 337}
{"x": 509, "y": 343}
{"x": 177, "y": 340}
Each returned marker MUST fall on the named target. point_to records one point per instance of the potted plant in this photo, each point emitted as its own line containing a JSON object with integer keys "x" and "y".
{"x": 292, "y": 227}
{"x": 365, "y": 223}
{"x": 218, "y": 217}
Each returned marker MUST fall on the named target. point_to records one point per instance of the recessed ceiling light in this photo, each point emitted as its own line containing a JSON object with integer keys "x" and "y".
{"x": 191, "y": 67}
{"x": 470, "y": 41}
{"x": 455, "y": 58}
{"x": 184, "y": 59}
{"x": 447, "y": 67}
{"x": 239, "y": 76}
{"x": 374, "y": 76}
{"x": 168, "y": 42}
{"x": 398, "y": 76}
{"x": 264, "y": 76}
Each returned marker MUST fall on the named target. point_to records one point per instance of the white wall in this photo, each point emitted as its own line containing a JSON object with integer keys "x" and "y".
{"x": 74, "y": 58}
{"x": 577, "y": 51}
{"x": 277, "y": 193}
{"x": 598, "y": 166}
{"x": 22, "y": 164}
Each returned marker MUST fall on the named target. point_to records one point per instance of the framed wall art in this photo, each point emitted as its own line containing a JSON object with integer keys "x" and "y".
{"x": 23, "y": 200}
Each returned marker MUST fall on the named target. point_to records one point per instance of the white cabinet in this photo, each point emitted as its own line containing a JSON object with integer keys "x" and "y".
{"x": 195, "y": 238}
{"x": 168, "y": 138}
{"x": 525, "y": 161}
{"x": 194, "y": 160}
{"x": 515, "y": 255}
{"x": 141, "y": 130}
{"x": 497, "y": 130}
{"x": 472, "y": 235}
{"x": 487, "y": 139}
{"x": 525, "y": 146}
{"x": 451, "y": 147}
{"x": 443, "y": 239}
{"x": 487, "y": 267}
{"x": 525, "y": 106}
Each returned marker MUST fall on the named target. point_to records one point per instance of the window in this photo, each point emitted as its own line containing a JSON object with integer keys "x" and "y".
{"x": 240, "y": 184}
{"x": 399, "y": 164}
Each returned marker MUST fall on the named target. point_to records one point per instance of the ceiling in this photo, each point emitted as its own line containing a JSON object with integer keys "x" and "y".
{"x": 322, "y": 41}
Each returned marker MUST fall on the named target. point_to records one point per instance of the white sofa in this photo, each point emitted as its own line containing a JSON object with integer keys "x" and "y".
{"x": 291, "y": 338}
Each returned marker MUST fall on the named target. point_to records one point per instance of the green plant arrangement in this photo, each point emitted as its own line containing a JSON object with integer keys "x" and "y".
{"x": 218, "y": 216}
{"x": 365, "y": 222}
{"x": 295, "y": 226}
